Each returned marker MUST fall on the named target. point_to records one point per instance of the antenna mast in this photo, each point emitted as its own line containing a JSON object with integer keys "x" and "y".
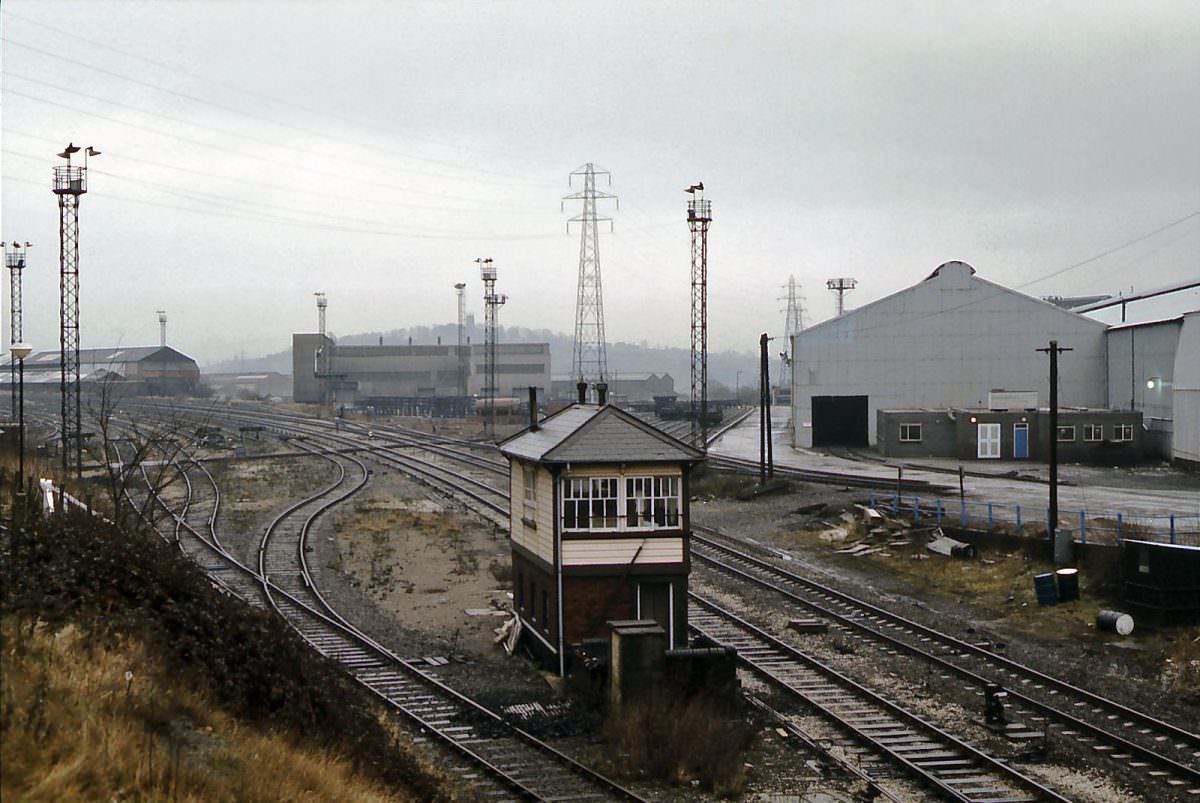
{"x": 14, "y": 259}
{"x": 491, "y": 304}
{"x": 590, "y": 362}
{"x": 70, "y": 184}
{"x": 841, "y": 286}
{"x": 699, "y": 215}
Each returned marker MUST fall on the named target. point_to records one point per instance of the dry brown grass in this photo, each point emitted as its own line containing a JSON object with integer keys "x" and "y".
{"x": 82, "y": 721}
{"x": 680, "y": 740}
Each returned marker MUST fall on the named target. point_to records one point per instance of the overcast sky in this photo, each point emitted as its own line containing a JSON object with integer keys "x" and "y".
{"x": 255, "y": 152}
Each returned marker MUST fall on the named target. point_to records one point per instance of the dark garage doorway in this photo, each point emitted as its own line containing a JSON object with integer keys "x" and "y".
{"x": 839, "y": 420}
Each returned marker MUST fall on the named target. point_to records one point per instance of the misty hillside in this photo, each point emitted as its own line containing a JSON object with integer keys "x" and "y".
{"x": 623, "y": 358}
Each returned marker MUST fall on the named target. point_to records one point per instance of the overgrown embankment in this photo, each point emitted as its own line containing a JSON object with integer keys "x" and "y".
{"x": 223, "y": 701}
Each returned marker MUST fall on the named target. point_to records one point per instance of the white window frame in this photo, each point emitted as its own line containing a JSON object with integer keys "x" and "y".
{"x": 652, "y": 502}
{"x": 529, "y": 506}
{"x": 984, "y": 445}
{"x": 1058, "y": 435}
{"x": 1122, "y": 433}
{"x": 1093, "y": 433}
{"x": 910, "y": 439}
{"x": 664, "y": 502}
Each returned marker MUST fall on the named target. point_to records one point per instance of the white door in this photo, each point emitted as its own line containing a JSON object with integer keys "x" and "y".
{"x": 989, "y": 441}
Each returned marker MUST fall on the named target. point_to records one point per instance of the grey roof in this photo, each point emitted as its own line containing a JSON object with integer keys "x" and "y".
{"x": 587, "y": 433}
{"x": 42, "y": 360}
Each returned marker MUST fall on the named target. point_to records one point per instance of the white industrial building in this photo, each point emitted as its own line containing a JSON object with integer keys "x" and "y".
{"x": 950, "y": 340}
{"x": 944, "y": 342}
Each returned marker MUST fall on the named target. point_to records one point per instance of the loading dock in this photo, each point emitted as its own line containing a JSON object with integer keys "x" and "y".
{"x": 839, "y": 421}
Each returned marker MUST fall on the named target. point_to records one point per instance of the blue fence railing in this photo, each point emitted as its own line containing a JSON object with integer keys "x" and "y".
{"x": 1097, "y": 526}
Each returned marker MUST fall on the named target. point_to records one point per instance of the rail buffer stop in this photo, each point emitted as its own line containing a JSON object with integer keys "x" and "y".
{"x": 599, "y": 528}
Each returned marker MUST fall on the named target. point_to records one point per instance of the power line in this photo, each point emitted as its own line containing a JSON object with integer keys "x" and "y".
{"x": 232, "y": 110}
{"x": 270, "y": 143}
{"x": 277, "y": 162}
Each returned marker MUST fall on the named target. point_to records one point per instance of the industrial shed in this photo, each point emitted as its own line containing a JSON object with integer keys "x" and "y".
{"x": 1154, "y": 368}
{"x": 945, "y": 342}
{"x": 622, "y": 387}
{"x": 150, "y": 370}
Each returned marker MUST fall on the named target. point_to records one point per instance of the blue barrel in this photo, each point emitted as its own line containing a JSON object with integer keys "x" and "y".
{"x": 1046, "y": 589}
{"x": 1068, "y": 584}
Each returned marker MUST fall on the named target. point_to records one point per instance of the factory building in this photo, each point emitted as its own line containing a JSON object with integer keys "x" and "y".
{"x": 325, "y": 371}
{"x": 944, "y": 342}
{"x": 955, "y": 341}
{"x": 600, "y": 528}
{"x": 148, "y": 370}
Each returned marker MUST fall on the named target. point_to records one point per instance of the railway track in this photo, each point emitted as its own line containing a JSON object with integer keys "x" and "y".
{"x": 1095, "y": 726}
{"x": 499, "y": 759}
{"x": 1157, "y": 751}
{"x": 891, "y": 735}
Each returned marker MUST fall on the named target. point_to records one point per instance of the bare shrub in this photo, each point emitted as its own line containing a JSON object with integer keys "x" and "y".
{"x": 669, "y": 737}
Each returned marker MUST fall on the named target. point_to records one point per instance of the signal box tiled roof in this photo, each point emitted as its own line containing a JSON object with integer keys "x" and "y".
{"x": 588, "y": 433}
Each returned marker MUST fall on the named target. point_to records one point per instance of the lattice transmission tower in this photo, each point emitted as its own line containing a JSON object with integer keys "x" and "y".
{"x": 70, "y": 184}
{"x": 793, "y": 323}
{"x": 699, "y": 216}
{"x": 491, "y": 304}
{"x": 14, "y": 260}
{"x": 590, "y": 362}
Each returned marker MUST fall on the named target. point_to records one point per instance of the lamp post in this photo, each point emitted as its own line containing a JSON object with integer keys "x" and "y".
{"x": 20, "y": 351}
{"x": 737, "y": 388}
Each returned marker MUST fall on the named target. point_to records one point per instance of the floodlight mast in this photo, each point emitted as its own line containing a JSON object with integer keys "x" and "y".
{"x": 14, "y": 259}
{"x": 460, "y": 288}
{"x": 492, "y": 303}
{"x": 70, "y": 184}
{"x": 699, "y": 216}
{"x": 841, "y": 286}
{"x": 324, "y": 356}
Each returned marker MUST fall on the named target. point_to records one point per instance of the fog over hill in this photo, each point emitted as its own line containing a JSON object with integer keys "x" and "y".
{"x": 623, "y": 358}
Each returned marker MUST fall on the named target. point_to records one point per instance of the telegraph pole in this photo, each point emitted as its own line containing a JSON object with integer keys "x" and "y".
{"x": 1053, "y": 351}
{"x": 590, "y": 362}
{"x": 766, "y": 452}
{"x": 70, "y": 184}
{"x": 14, "y": 259}
{"x": 699, "y": 216}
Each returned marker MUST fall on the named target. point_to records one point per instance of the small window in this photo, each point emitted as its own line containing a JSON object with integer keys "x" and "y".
{"x": 1123, "y": 432}
{"x": 1143, "y": 555}
{"x": 1066, "y": 433}
{"x": 529, "y": 510}
{"x": 910, "y": 433}
{"x": 1093, "y": 432}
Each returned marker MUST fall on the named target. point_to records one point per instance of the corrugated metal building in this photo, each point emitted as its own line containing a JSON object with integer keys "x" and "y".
{"x": 944, "y": 342}
{"x": 154, "y": 370}
{"x": 360, "y": 374}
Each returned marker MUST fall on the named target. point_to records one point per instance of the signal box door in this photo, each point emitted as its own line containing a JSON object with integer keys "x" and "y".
{"x": 989, "y": 442}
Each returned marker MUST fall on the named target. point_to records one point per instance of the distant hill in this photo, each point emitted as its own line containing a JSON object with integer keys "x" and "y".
{"x": 623, "y": 358}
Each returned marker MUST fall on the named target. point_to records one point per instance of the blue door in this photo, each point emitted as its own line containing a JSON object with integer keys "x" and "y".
{"x": 1020, "y": 441}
